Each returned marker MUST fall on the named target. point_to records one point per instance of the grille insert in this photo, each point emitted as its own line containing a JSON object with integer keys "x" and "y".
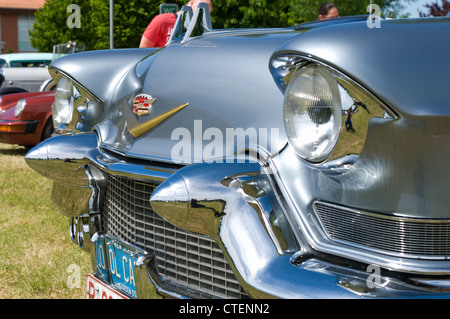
{"x": 416, "y": 238}
{"x": 184, "y": 258}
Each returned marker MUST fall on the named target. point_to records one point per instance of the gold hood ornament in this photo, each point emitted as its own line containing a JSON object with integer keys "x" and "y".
{"x": 142, "y": 105}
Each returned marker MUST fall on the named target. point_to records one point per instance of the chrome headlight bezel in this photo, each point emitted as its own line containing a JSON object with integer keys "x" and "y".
{"x": 62, "y": 108}
{"x": 75, "y": 109}
{"x": 312, "y": 108}
{"x": 355, "y": 102}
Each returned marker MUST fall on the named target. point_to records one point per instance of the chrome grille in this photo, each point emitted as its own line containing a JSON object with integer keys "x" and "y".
{"x": 409, "y": 237}
{"x": 191, "y": 260}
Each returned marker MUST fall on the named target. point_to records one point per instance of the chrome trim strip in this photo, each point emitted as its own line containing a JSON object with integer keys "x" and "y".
{"x": 53, "y": 160}
{"x": 56, "y": 75}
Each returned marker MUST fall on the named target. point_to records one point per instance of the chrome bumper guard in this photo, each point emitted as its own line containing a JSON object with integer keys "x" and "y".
{"x": 236, "y": 204}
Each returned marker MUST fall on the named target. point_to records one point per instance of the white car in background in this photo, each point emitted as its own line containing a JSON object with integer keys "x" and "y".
{"x": 22, "y": 72}
{"x": 21, "y": 60}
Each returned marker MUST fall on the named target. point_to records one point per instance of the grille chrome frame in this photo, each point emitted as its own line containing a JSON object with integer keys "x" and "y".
{"x": 183, "y": 258}
{"x": 392, "y": 235}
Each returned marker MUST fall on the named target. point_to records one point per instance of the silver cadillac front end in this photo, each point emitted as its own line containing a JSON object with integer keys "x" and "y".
{"x": 222, "y": 231}
{"x": 322, "y": 197}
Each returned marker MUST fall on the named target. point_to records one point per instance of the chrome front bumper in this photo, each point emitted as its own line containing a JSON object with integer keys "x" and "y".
{"x": 237, "y": 205}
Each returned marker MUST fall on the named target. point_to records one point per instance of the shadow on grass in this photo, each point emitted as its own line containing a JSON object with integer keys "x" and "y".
{"x": 14, "y": 150}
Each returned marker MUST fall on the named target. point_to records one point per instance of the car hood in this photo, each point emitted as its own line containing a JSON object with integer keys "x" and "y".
{"x": 219, "y": 82}
{"x": 111, "y": 65}
{"x": 225, "y": 79}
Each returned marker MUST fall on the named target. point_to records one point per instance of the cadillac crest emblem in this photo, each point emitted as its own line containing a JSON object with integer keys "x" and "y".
{"x": 142, "y": 104}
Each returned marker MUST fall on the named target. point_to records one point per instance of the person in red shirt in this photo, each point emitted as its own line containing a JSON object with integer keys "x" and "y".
{"x": 160, "y": 28}
{"x": 158, "y": 31}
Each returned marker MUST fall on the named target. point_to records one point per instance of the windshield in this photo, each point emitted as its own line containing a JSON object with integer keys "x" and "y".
{"x": 30, "y": 63}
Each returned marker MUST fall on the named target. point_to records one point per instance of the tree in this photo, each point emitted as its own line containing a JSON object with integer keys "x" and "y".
{"x": 436, "y": 10}
{"x": 51, "y": 25}
{"x": 282, "y": 13}
{"x": 131, "y": 17}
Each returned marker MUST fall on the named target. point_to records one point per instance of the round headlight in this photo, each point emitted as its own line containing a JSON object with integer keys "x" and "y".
{"x": 63, "y": 106}
{"x": 313, "y": 113}
{"x": 20, "y": 106}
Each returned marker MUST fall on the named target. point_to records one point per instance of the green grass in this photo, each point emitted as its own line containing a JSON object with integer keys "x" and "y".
{"x": 36, "y": 253}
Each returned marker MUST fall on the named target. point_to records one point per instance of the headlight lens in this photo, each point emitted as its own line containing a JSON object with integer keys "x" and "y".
{"x": 74, "y": 109}
{"x": 20, "y": 106}
{"x": 62, "y": 109}
{"x": 313, "y": 113}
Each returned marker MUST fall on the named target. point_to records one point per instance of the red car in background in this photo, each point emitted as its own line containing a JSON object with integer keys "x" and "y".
{"x": 26, "y": 118}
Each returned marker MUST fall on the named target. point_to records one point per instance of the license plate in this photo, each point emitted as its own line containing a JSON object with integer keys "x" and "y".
{"x": 95, "y": 289}
{"x": 115, "y": 264}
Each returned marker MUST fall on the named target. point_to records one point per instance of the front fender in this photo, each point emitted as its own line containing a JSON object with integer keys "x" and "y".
{"x": 86, "y": 67}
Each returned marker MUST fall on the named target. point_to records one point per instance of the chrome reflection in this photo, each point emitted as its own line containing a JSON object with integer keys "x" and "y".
{"x": 283, "y": 67}
{"x": 358, "y": 108}
{"x": 82, "y": 228}
{"x": 198, "y": 199}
